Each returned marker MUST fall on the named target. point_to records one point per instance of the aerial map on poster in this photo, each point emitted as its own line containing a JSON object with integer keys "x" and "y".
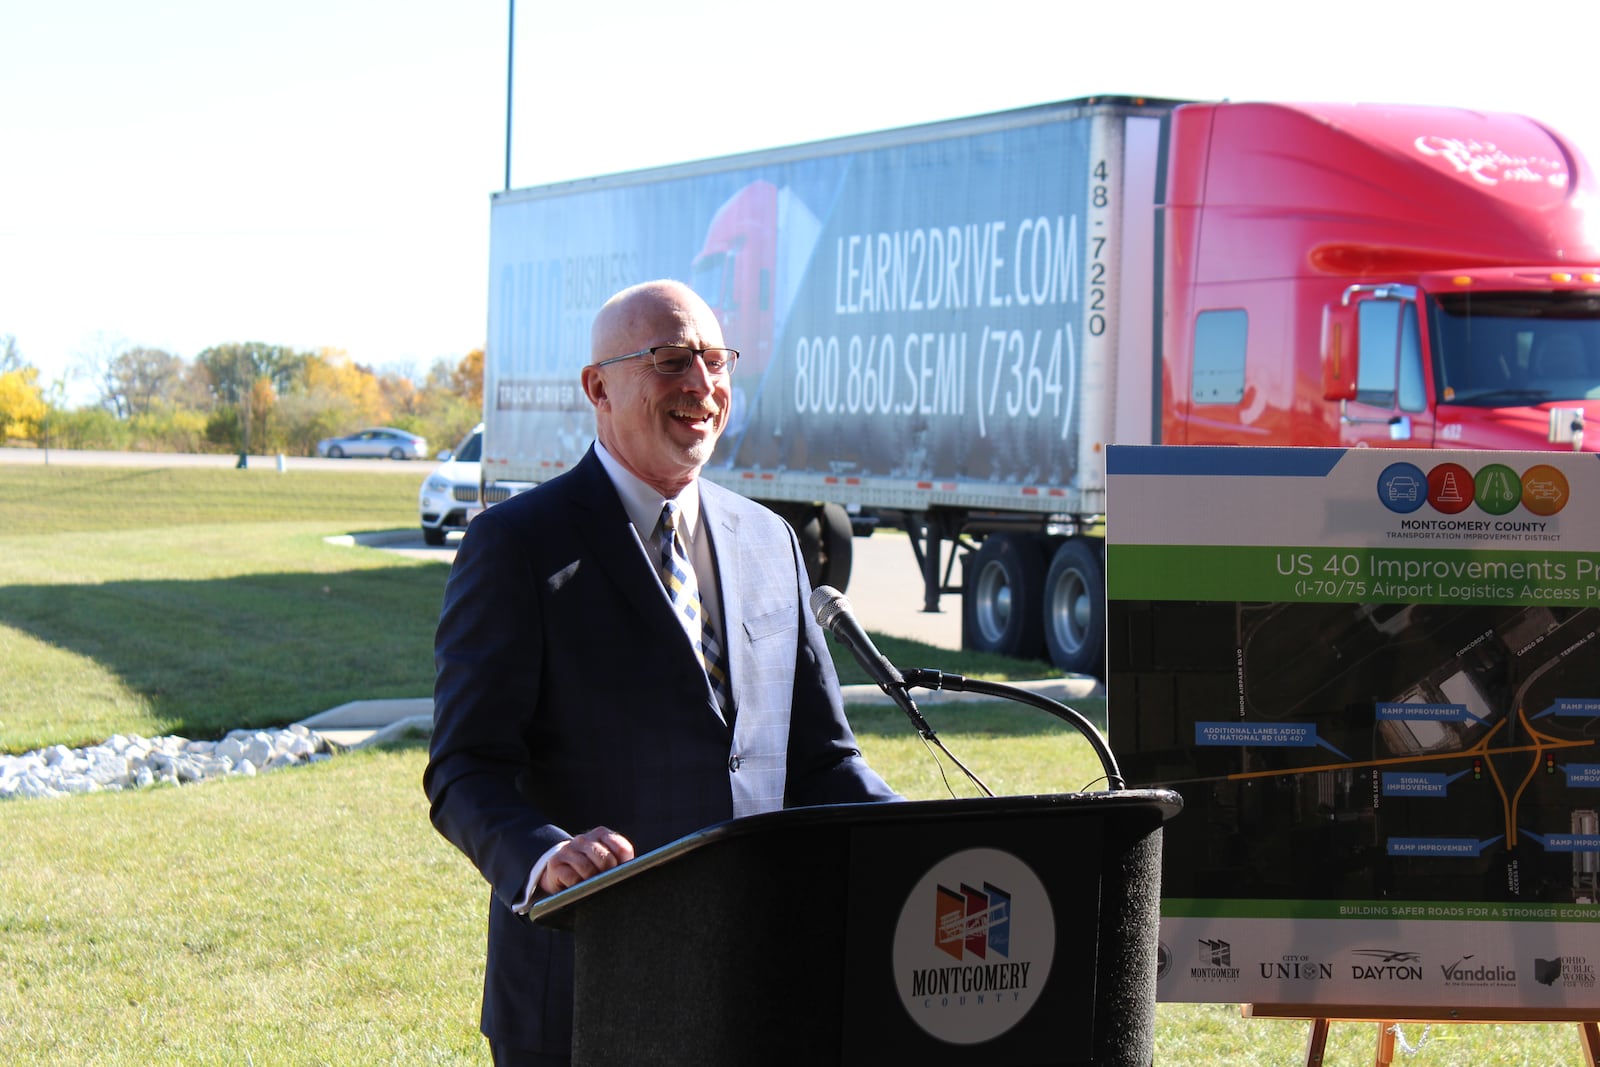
{"x": 1374, "y": 677}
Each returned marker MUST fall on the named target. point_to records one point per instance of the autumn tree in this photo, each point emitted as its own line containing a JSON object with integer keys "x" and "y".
{"x": 245, "y": 380}
{"x": 234, "y": 368}
{"x": 331, "y": 394}
{"x": 331, "y": 373}
{"x": 452, "y": 397}
{"x": 22, "y": 406}
{"x": 139, "y": 380}
{"x": 467, "y": 381}
{"x": 400, "y": 395}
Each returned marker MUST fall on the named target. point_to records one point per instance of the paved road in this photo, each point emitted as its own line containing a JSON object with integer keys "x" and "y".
{"x": 66, "y": 457}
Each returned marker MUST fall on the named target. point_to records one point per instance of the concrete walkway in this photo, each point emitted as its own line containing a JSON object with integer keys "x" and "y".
{"x": 372, "y": 722}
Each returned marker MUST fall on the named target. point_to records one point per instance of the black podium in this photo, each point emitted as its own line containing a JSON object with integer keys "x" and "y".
{"x": 1008, "y": 930}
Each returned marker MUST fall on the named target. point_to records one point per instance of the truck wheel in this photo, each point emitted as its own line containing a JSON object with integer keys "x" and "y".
{"x": 1075, "y": 609}
{"x": 1000, "y": 609}
{"x": 825, "y": 541}
{"x": 838, "y": 548}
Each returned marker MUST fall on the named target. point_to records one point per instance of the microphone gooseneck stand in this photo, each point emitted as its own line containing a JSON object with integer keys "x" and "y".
{"x": 901, "y": 697}
{"x": 833, "y": 614}
{"x": 955, "y": 683}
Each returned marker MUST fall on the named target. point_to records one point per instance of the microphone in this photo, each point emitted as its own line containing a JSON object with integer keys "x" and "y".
{"x": 833, "y": 615}
{"x": 832, "y": 610}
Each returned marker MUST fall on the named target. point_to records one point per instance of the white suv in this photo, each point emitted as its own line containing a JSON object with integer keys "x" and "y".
{"x": 449, "y": 497}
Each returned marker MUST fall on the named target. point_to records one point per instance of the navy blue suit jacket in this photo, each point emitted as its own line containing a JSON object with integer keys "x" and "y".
{"x": 567, "y": 697}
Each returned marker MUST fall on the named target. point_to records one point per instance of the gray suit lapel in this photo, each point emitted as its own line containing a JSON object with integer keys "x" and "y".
{"x": 724, "y": 529}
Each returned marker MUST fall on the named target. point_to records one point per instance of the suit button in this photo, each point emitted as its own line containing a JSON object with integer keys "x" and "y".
{"x": 734, "y": 762}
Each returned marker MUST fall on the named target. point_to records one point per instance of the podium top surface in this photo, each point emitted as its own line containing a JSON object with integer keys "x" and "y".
{"x": 555, "y": 910}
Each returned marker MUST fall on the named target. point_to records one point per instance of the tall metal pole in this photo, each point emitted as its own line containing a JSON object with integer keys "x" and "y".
{"x": 511, "y": 52}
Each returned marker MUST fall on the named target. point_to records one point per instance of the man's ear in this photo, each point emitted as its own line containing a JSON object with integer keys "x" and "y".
{"x": 594, "y": 387}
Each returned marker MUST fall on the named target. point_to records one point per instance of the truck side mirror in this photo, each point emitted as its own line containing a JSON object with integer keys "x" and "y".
{"x": 1339, "y": 370}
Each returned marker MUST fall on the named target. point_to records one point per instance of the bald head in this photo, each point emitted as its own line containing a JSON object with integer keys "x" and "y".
{"x": 637, "y": 317}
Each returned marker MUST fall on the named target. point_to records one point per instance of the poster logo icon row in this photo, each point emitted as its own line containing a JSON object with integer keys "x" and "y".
{"x": 1450, "y": 488}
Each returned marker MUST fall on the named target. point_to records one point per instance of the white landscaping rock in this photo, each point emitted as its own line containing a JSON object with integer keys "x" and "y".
{"x": 132, "y": 762}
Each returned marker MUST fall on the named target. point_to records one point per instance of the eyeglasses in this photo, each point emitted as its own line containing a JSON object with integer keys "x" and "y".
{"x": 673, "y": 360}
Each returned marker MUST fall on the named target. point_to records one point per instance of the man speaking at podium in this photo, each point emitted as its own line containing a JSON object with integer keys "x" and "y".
{"x": 624, "y": 656}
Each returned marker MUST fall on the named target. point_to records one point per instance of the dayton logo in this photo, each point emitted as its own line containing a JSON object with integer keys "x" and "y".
{"x": 972, "y": 922}
{"x": 1383, "y": 964}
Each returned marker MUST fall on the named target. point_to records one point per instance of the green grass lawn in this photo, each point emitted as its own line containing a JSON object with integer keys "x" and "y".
{"x": 194, "y": 601}
{"x": 312, "y": 916}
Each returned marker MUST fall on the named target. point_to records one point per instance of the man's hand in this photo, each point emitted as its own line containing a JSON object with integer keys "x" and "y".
{"x": 583, "y": 857}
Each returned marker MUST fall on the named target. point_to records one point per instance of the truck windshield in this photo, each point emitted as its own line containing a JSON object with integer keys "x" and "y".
{"x": 1498, "y": 349}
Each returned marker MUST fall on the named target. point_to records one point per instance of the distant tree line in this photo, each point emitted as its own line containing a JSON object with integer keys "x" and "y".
{"x": 235, "y": 397}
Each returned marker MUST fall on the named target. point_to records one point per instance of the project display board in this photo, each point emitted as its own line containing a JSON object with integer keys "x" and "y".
{"x": 1374, "y": 677}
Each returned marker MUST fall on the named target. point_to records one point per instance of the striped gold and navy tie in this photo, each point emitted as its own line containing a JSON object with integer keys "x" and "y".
{"x": 678, "y": 575}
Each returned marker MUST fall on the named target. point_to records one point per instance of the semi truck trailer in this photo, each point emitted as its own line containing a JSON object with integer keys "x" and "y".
{"x": 943, "y": 326}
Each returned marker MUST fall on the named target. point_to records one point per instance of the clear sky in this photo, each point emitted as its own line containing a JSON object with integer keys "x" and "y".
{"x": 183, "y": 173}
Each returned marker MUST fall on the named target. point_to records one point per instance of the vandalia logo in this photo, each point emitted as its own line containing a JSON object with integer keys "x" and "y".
{"x": 1465, "y": 972}
{"x": 974, "y": 945}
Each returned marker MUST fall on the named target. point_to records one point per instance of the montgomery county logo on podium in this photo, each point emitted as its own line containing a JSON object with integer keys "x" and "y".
{"x": 971, "y": 957}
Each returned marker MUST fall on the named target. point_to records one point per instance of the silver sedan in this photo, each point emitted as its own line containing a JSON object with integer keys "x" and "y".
{"x": 380, "y": 442}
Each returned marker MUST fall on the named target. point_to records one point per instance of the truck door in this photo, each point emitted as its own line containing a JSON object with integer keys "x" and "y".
{"x": 1378, "y": 347}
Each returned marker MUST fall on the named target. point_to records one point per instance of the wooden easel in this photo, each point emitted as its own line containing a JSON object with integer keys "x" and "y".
{"x": 1386, "y": 1015}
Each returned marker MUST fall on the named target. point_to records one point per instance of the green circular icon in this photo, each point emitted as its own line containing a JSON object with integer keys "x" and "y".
{"x": 1498, "y": 489}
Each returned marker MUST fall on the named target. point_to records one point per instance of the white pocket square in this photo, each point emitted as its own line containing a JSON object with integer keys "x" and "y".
{"x": 562, "y": 576}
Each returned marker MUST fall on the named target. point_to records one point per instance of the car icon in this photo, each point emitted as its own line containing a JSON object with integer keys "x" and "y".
{"x": 1403, "y": 487}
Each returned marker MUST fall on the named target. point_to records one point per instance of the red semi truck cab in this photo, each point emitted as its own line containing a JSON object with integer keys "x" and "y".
{"x": 1378, "y": 276}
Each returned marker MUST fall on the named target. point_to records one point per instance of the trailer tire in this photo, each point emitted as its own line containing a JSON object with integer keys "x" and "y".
{"x": 838, "y": 546}
{"x": 1075, "y": 608}
{"x": 824, "y": 533}
{"x": 1003, "y": 582}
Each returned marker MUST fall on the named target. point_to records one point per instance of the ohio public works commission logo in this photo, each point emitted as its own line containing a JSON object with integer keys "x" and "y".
{"x": 1565, "y": 972}
{"x": 973, "y": 946}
